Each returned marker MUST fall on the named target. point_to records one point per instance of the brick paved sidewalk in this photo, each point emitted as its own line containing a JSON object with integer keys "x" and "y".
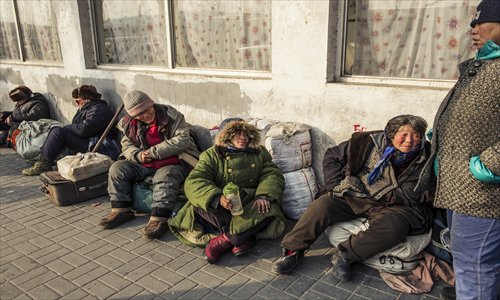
{"x": 50, "y": 252}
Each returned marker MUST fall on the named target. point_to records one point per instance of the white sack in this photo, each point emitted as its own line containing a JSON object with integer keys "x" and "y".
{"x": 300, "y": 188}
{"x": 83, "y": 165}
{"x": 32, "y": 135}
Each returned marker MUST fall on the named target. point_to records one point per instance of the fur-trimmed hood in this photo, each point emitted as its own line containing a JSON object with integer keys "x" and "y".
{"x": 224, "y": 137}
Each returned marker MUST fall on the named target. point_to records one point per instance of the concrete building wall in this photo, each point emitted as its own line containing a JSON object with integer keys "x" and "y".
{"x": 296, "y": 90}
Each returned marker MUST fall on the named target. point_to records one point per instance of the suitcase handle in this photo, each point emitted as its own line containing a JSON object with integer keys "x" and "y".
{"x": 93, "y": 187}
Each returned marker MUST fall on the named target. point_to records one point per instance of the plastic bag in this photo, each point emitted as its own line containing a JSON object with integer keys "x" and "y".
{"x": 83, "y": 165}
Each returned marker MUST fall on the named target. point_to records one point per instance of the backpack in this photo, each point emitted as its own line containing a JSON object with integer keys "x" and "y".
{"x": 440, "y": 241}
{"x": 400, "y": 259}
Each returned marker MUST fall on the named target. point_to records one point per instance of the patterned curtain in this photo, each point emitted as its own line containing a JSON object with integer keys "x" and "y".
{"x": 9, "y": 47}
{"x": 133, "y": 32}
{"x": 39, "y": 28}
{"x": 223, "y": 34}
{"x": 415, "y": 39}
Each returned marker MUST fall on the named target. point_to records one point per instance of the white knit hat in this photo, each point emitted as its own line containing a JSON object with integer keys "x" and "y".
{"x": 137, "y": 102}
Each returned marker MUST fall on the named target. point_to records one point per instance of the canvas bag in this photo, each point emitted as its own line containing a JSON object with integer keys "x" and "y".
{"x": 32, "y": 136}
{"x": 400, "y": 259}
{"x": 300, "y": 188}
{"x": 289, "y": 144}
{"x": 83, "y": 165}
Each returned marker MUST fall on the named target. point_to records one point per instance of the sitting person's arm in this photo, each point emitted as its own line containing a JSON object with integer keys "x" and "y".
{"x": 96, "y": 120}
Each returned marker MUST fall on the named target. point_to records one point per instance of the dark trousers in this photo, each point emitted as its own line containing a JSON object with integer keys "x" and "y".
{"x": 220, "y": 220}
{"x": 387, "y": 229}
{"x": 167, "y": 184}
{"x": 58, "y": 139}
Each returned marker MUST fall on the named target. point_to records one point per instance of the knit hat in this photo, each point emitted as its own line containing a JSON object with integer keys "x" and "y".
{"x": 487, "y": 11}
{"x": 137, "y": 102}
{"x": 20, "y": 93}
{"x": 86, "y": 92}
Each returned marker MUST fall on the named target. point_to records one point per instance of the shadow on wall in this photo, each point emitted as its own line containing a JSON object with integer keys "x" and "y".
{"x": 224, "y": 98}
{"x": 8, "y": 80}
{"x": 62, "y": 104}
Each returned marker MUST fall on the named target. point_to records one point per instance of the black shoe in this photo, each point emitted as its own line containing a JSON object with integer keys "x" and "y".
{"x": 287, "y": 263}
{"x": 115, "y": 219}
{"x": 448, "y": 293}
{"x": 341, "y": 266}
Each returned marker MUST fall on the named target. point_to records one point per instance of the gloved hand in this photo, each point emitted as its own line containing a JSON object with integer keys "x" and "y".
{"x": 481, "y": 172}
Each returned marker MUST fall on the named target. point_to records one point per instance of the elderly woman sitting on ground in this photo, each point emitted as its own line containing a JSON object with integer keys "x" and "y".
{"x": 236, "y": 164}
{"x": 372, "y": 175}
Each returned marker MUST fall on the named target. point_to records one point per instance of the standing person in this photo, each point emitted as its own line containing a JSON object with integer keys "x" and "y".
{"x": 154, "y": 136}
{"x": 29, "y": 107}
{"x": 465, "y": 158}
{"x": 91, "y": 119}
{"x": 372, "y": 175}
{"x": 236, "y": 160}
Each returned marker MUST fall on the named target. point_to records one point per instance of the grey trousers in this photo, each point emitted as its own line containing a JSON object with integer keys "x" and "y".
{"x": 167, "y": 184}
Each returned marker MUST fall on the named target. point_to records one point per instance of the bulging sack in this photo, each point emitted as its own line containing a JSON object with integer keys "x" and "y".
{"x": 300, "y": 188}
{"x": 400, "y": 259}
{"x": 32, "y": 136}
{"x": 290, "y": 146}
{"x": 83, "y": 165}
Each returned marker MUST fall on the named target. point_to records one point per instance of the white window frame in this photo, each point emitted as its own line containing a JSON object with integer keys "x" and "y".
{"x": 170, "y": 68}
{"x": 340, "y": 50}
{"x": 22, "y": 52}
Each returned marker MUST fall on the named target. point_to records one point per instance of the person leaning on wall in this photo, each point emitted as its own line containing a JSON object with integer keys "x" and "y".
{"x": 465, "y": 159}
{"x": 91, "y": 119}
{"x": 237, "y": 161}
{"x": 154, "y": 136}
{"x": 372, "y": 175}
{"x": 29, "y": 107}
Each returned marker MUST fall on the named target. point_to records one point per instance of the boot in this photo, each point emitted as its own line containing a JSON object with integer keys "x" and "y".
{"x": 245, "y": 247}
{"x": 448, "y": 293}
{"x": 216, "y": 247}
{"x": 341, "y": 265}
{"x": 288, "y": 262}
{"x": 38, "y": 168}
{"x": 156, "y": 227}
{"x": 117, "y": 217}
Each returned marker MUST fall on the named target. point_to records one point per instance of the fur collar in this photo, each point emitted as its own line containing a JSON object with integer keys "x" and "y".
{"x": 223, "y": 139}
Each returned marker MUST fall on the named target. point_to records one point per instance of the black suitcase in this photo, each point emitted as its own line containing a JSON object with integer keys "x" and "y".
{"x": 64, "y": 192}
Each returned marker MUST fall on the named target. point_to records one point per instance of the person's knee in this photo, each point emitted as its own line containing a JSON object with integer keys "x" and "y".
{"x": 173, "y": 174}
{"x": 119, "y": 170}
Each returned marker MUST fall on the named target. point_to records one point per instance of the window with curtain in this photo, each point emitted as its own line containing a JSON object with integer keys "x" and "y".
{"x": 37, "y": 26}
{"x": 209, "y": 34}
{"x": 409, "y": 39}
{"x": 230, "y": 34}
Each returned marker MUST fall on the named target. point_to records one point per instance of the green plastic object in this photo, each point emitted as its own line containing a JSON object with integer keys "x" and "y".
{"x": 230, "y": 189}
{"x": 142, "y": 195}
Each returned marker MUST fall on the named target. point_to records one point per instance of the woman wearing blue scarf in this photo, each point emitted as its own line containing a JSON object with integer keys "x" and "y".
{"x": 372, "y": 175}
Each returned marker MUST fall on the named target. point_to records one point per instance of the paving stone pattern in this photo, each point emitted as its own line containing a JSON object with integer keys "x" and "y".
{"x": 50, "y": 252}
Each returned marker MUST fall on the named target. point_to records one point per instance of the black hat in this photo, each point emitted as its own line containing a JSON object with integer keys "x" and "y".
{"x": 487, "y": 11}
{"x": 20, "y": 93}
{"x": 86, "y": 92}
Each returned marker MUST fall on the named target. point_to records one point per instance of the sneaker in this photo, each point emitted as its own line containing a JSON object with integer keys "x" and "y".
{"x": 155, "y": 229}
{"x": 341, "y": 266}
{"x": 288, "y": 262}
{"x": 115, "y": 219}
{"x": 245, "y": 247}
{"x": 448, "y": 293}
{"x": 38, "y": 168}
{"x": 216, "y": 247}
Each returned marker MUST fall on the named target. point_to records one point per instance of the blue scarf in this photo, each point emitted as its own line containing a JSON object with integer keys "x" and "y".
{"x": 393, "y": 155}
{"x": 490, "y": 50}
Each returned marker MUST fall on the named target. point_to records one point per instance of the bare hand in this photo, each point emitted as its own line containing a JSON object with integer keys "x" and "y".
{"x": 226, "y": 203}
{"x": 146, "y": 157}
{"x": 262, "y": 205}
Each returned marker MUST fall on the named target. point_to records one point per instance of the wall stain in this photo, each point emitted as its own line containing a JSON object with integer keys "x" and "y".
{"x": 213, "y": 97}
{"x": 11, "y": 76}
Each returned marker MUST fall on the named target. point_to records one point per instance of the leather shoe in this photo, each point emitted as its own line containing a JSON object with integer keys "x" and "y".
{"x": 341, "y": 265}
{"x": 115, "y": 219}
{"x": 216, "y": 247}
{"x": 155, "y": 229}
{"x": 448, "y": 293}
{"x": 288, "y": 262}
{"x": 245, "y": 247}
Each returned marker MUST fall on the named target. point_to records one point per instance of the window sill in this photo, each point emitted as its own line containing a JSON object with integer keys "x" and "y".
{"x": 439, "y": 84}
{"x": 194, "y": 72}
{"x": 31, "y": 63}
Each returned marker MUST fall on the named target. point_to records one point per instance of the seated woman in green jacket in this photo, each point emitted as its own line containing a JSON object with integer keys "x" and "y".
{"x": 208, "y": 219}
